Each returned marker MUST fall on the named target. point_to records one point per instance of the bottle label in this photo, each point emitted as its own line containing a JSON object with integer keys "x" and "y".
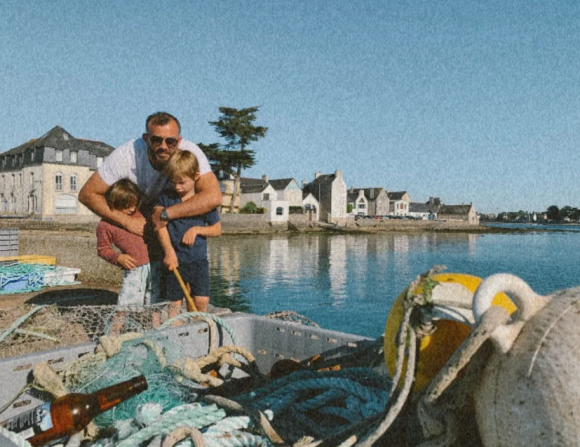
{"x": 32, "y": 422}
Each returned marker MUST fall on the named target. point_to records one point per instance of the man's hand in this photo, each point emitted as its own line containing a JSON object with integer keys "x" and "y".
{"x": 126, "y": 261}
{"x": 135, "y": 225}
{"x": 156, "y": 219}
{"x": 189, "y": 236}
{"x": 170, "y": 260}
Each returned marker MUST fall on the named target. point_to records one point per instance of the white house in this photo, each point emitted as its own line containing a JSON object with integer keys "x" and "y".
{"x": 399, "y": 203}
{"x": 258, "y": 191}
{"x": 360, "y": 204}
{"x": 311, "y": 207}
{"x": 287, "y": 189}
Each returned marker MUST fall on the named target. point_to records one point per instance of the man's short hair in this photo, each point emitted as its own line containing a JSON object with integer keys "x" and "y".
{"x": 161, "y": 119}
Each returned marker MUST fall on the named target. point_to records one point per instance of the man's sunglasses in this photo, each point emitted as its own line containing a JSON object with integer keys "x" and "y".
{"x": 158, "y": 141}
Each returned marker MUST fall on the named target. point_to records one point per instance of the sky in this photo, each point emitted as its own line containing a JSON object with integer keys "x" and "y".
{"x": 468, "y": 101}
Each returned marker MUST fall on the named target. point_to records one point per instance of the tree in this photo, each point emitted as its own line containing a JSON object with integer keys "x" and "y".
{"x": 238, "y": 129}
{"x": 553, "y": 213}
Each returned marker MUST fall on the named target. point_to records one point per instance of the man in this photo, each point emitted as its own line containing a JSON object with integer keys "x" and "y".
{"x": 141, "y": 161}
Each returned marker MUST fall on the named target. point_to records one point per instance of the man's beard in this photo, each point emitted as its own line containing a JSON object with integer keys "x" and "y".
{"x": 157, "y": 164}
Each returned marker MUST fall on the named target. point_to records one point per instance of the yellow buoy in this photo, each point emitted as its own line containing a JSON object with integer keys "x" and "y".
{"x": 437, "y": 348}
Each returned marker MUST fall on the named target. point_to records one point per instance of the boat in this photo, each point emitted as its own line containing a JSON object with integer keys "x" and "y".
{"x": 459, "y": 352}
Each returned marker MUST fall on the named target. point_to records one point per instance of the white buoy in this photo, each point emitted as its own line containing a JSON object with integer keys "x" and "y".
{"x": 529, "y": 393}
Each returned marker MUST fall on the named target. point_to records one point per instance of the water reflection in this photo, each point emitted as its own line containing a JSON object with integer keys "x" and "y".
{"x": 345, "y": 282}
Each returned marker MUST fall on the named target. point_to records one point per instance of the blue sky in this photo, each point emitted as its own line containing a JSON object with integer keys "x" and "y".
{"x": 470, "y": 101}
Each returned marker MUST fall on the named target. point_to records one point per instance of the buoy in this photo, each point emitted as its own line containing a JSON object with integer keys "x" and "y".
{"x": 529, "y": 392}
{"x": 437, "y": 348}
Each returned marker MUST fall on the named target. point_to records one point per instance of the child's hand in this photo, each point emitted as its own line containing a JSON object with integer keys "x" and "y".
{"x": 170, "y": 261}
{"x": 189, "y": 236}
{"x": 126, "y": 261}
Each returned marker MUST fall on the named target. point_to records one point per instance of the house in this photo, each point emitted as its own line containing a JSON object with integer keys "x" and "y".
{"x": 421, "y": 210}
{"x": 399, "y": 203}
{"x": 43, "y": 176}
{"x": 330, "y": 192}
{"x": 288, "y": 190}
{"x": 356, "y": 198}
{"x": 463, "y": 213}
{"x": 377, "y": 201}
{"x": 311, "y": 206}
{"x": 227, "y": 182}
{"x": 257, "y": 191}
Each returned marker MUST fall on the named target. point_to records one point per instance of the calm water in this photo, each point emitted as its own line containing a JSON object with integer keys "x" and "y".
{"x": 348, "y": 282}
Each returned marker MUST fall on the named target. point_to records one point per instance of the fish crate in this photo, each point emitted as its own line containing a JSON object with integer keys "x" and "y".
{"x": 9, "y": 241}
{"x": 269, "y": 340}
{"x": 29, "y": 259}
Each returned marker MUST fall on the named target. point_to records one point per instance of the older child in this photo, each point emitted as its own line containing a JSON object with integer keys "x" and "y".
{"x": 138, "y": 287}
{"x": 184, "y": 240}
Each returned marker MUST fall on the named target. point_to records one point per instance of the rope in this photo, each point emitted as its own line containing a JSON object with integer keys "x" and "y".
{"x": 194, "y": 315}
{"x": 189, "y": 415}
{"x": 181, "y": 433}
{"x": 18, "y": 322}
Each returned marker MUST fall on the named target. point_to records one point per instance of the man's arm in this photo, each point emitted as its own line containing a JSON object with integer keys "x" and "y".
{"x": 92, "y": 195}
{"x": 207, "y": 197}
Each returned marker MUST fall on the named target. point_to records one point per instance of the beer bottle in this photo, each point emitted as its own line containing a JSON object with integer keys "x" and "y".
{"x": 69, "y": 414}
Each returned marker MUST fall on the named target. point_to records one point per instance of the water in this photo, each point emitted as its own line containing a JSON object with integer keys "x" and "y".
{"x": 349, "y": 282}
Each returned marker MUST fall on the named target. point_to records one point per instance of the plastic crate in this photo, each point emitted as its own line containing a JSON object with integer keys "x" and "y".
{"x": 269, "y": 340}
{"x": 30, "y": 259}
{"x": 9, "y": 241}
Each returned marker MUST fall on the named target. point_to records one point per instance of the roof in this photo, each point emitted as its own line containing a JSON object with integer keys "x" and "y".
{"x": 253, "y": 185}
{"x": 280, "y": 184}
{"x": 455, "y": 209}
{"x": 370, "y": 193}
{"x": 415, "y": 207}
{"x": 313, "y": 186}
{"x": 59, "y": 138}
{"x": 396, "y": 195}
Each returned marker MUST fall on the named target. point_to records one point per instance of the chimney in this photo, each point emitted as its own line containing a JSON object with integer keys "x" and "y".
{"x": 338, "y": 174}
{"x": 317, "y": 174}
{"x": 265, "y": 178}
{"x": 361, "y": 192}
{"x": 304, "y": 184}
{"x": 372, "y": 193}
{"x": 351, "y": 189}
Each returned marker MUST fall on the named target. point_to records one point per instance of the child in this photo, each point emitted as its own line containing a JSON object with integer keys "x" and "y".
{"x": 184, "y": 240}
{"x": 134, "y": 259}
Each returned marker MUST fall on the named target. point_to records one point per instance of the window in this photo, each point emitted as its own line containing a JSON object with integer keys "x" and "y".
{"x": 32, "y": 155}
{"x": 266, "y": 197}
{"x": 13, "y": 160}
{"x": 58, "y": 182}
{"x": 99, "y": 162}
{"x": 73, "y": 182}
{"x": 3, "y": 161}
{"x": 279, "y": 211}
{"x": 73, "y": 157}
{"x": 361, "y": 206}
{"x": 58, "y": 155}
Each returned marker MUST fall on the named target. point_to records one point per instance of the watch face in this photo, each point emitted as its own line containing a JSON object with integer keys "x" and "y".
{"x": 164, "y": 215}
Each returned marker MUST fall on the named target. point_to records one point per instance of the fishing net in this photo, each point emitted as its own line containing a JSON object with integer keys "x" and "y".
{"x": 221, "y": 395}
{"x": 17, "y": 277}
{"x": 27, "y": 329}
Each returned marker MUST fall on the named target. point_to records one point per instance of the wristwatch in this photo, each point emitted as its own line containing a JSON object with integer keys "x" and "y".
{"x": 163, "y": 216}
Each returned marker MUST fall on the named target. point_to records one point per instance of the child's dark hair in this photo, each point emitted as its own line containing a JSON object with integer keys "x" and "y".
{"x": 122, "y": 195}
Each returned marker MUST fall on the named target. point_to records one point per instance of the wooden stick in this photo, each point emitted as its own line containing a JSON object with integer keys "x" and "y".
{"x": 188, "y": 300}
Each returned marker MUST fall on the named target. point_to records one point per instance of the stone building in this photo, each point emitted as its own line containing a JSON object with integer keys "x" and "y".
{"x": 463, "y": 213}
{"x": 42, "y": 177}
{"x": 330, "y": 192}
